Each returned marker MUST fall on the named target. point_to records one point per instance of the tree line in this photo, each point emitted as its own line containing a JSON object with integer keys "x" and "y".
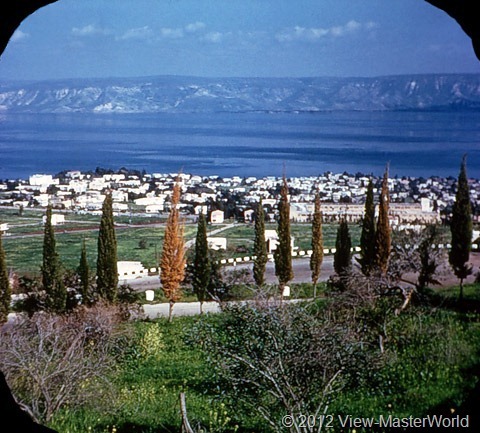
{"x": 203, "y": 270}
{"x": 374, "y": 259}
{"x": 52, "y": 294}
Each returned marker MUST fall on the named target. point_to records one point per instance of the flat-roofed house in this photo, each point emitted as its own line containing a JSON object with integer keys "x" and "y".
{"x": 217, "y": 217}
{"x": 56, "y": 220}
{"x": 271, "y": 238}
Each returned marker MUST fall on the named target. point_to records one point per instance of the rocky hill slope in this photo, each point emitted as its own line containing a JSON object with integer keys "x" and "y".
{"x": 193, "y": 94}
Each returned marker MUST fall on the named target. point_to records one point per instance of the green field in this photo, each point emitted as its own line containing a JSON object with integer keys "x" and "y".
{"x": 139, "y": 238}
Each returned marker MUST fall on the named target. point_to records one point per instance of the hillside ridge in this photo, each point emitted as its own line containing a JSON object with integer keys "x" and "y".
{"x": 178, "y": 94}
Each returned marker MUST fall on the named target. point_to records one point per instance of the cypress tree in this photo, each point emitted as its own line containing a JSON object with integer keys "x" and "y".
{"x": 283, "y": 253}
{"x": 216, "y": 286}
{"x": 5, "y": 289}
{"x": 52, "y": 275}
{"x": 461, "y": 228}
{"x": 107, "y": 268}
{"x": 428, "y": 262}
{"x": 367, "y": 237}
{"x": 316, "y": 258}
{"x": 382, "y": 233}
{"x": 259, "y": 246}
{"x": 342, "y": 258}
{"x": 172, "y": 263}
{"x": 201, "y": 262}
{"x": 84, "y": 274}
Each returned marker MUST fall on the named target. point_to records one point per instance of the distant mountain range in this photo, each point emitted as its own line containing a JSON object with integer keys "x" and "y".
{"x": 179, "y": 94}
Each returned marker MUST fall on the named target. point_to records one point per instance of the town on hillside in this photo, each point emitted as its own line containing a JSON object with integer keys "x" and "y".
{"x": 414, "y": 201}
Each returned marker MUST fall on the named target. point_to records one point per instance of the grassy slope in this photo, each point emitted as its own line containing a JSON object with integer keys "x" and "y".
{"x": 436, "y": 364}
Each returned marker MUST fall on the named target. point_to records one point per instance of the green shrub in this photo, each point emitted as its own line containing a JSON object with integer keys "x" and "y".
{"x": 431, "y": 359}
{"x": 428, "y": 363}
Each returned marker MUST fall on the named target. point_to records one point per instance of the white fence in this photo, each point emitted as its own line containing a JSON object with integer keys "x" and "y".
{"x": 326, "y": 251}
{"x": 295, "y": 254}
{"x": 247, "y": 259}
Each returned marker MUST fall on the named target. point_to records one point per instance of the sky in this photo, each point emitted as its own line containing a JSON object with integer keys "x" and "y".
{"x": 236, "y": 38}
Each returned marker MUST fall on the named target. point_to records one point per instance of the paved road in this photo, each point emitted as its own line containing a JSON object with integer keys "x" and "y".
{"x": 301, "y": 270}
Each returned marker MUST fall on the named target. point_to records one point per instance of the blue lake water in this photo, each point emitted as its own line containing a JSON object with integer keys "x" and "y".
{"x": 245, "y": 144}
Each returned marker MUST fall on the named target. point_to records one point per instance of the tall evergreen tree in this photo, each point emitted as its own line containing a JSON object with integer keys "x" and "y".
{"x": 52, "y": 273}
{"x": 217, "y": 288}
{"x": 84, "y": 275}
{"x": 342, "y": 258}
{"x": 428, "y": 258}
{"x": 382, "y": 233}
{"x": 283, "y": 253}
{"x": 172, "y": 263}
{"x": 107, "y": 268}
{"x": 201, "y": 262}
{"x": 259, "y": 246}
{"x": 5, "y": 289}
{"x": 316, "y": 259}
{"x": 461, "y": 228}
{"x": 367, "y": 237}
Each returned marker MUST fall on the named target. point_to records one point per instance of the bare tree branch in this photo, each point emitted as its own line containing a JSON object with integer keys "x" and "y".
{"x": 51, "y": 359}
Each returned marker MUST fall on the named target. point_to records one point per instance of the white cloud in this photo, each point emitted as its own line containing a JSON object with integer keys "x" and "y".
{"x": 214, "y": 37}
{"x": 195, "y": 27}
{"x": 137, "y": 33}
{"x": 350, "y": 27}
{"x": 370, "y": 25}
{"x": 18, "y": 35}
{"x": 298, "y": 33}
{"x": 167, "y": 32}
{"x": 89, "y": 30}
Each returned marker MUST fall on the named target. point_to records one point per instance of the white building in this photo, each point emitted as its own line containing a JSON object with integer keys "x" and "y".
{"x": 113, "y": 177}
{"x": 271, "y": 238}
{"x": 217, "y": 217}
{"x": 217, "y": 243}
{"x": 57, "y": 219}
{"x": 130, "y": 269}
{"x": 151, "y": 201}
{"x": 201, "y": 209}
{"x": 120, "y": 207}
{"x": 426, "y": 204}
{"x": 301, "y": 212}
{"x": 43, "y": 199}
{"x": 42, "y": 180}
{"x": 75, "y": 174}
{"x": 154, "y": 208}
{"x": 248, "y": 215}
{"x": 119, "y": 196}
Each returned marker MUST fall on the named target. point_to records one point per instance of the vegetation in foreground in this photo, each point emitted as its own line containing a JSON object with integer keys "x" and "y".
{"x": 316, "y": 350}
{"x": 374, "y": 345}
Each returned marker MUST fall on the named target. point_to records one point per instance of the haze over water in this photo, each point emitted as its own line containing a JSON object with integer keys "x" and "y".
{"x": 419, "y": 144}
